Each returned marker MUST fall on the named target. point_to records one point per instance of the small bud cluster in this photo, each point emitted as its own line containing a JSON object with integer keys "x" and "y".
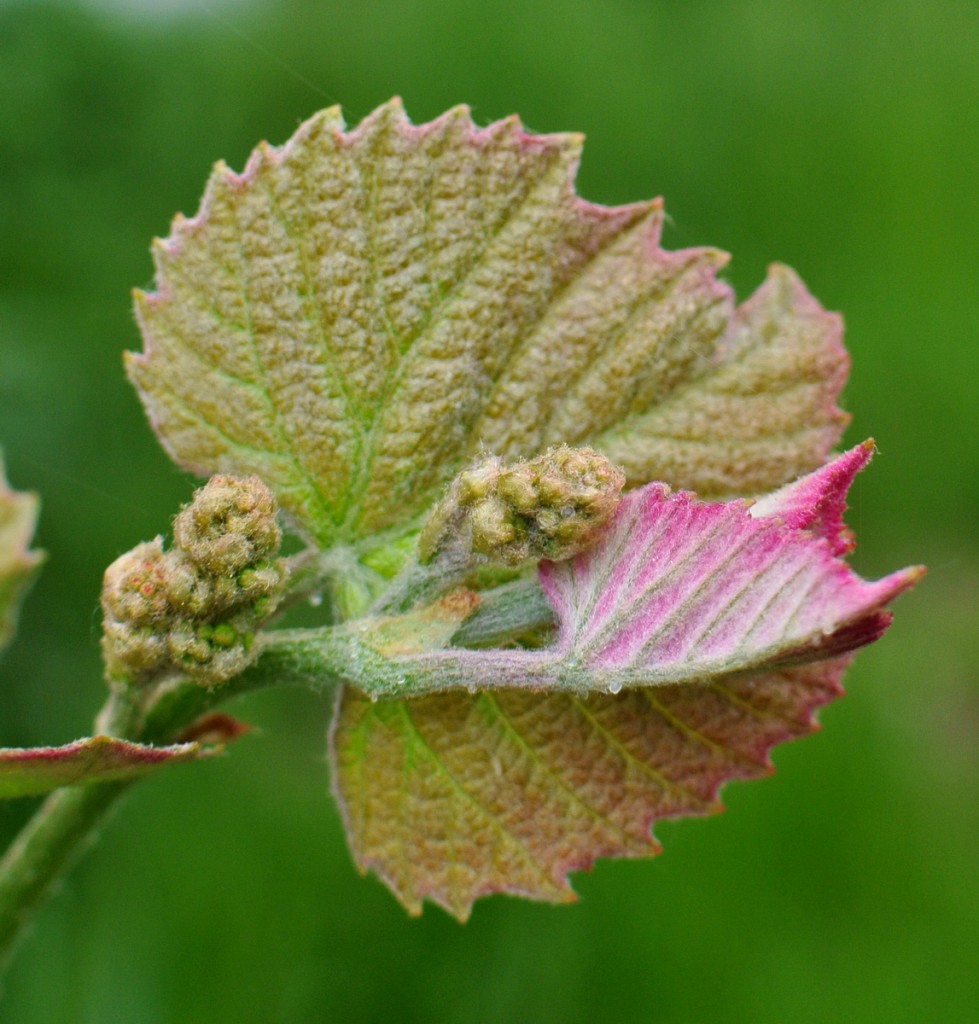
{"x": 548, "y": 507}
{"x": 196, "y": 608}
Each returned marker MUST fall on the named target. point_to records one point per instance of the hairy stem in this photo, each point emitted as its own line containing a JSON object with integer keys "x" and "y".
{"x": 46, "y": 847}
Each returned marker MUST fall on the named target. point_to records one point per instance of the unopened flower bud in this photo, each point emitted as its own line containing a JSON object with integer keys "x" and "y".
{"x": 263, "y": 580}
{"x": 230, "y": 523}
{"x": 211, "y": 654}
{"x": 133, "y": 652}
{"x": 548, "y": 507}
{"x": 135, "y": 585}
{"x": 195, "y": 609}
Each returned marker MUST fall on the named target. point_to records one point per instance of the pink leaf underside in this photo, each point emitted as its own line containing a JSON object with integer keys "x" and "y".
{"x": 452, "y": 796}
{"x": 691, "y": 589}
{"x": 36, "y": 770}
{"x": 816, "y": 502}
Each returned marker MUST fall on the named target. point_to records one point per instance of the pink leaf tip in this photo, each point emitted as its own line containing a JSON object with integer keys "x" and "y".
{"x": 816, "y": 502}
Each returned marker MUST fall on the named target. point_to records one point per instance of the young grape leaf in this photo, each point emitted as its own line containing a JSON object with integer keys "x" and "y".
{"x": 707, "y": 611}
{"x": 358, "y": 313}
{"x": 35, "y": 770}
{"x": 453, "y": 797}
{"x": 18, "y": 565}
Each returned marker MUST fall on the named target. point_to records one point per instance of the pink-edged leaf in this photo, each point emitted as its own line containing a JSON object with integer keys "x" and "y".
{"x": 453, "y": 797}
{"x": 681, "y": 589}
{"x": 35, "y": 770}
{"x": 357, "y": 313}
{"x": 723, "y": 624}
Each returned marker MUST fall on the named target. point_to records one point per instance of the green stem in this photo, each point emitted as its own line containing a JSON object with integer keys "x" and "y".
{"x": 46, "y": 847}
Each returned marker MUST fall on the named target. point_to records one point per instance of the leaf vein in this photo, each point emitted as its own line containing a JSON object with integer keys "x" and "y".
{"x": 698, "y": 737}
{"x": 277, "y": 420}
{"x": 399, "y": 372}
{"x": 665, "y": 781}
{"x": 470, "y": 797}
{"x": 593, "y": 812}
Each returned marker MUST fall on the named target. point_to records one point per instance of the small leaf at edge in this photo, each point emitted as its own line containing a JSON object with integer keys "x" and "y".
{"x": 32, "y": 771}
{"x": 18, "y": 565}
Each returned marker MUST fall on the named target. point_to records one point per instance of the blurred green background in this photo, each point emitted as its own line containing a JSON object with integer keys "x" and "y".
{"x": 840, "y": 138}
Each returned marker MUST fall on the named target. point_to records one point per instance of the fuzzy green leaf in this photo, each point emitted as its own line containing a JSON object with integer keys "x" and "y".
{"x": 358, "y": 313}
{"x": 18, "y": 565}
{"x": 36, "y": 770}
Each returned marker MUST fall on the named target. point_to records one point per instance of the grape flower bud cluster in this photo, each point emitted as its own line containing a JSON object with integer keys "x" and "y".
{"x": 195, "y": 608}
{"x": 549, "y": 507}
